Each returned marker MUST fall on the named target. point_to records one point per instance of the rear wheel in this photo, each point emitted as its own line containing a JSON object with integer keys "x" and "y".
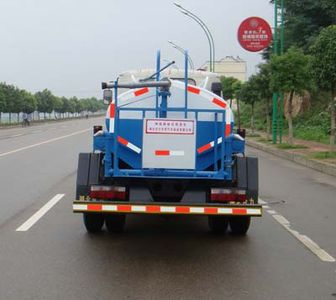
{"x": 93, "y": 222}
{"x": 240, "y": 225}
{"x": 218, "y": 224}
{"x": 115, "y": 223}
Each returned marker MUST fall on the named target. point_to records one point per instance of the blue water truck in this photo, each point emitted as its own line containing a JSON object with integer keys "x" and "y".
{"x": 168, "y": 147}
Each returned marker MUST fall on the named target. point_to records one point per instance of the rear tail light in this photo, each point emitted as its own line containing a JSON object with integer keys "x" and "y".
{"x": 227, "y": 195}
{"x": 108, "y": 192}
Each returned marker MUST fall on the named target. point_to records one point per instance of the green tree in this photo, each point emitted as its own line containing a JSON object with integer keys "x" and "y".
{"x": 228, "y": 87}
{"x": 29, "y": 102}
{"x": 236, "y": 86}
{"x": 45, "y": 101}
{"x": 58, "y": 105}
{"x": 249, "y": 94}
{"x": 2, "y": 101}
{"x": 324, "y": 70}
{"x": 290, "y": 73}
{"x": 65, "y": 106}
{"x": 304, "y": 20}
{"x": 263, "y": 84}
{"x": 14, "y": 100}
{"x": 73, "y": 103}
{"x": 80, "y": 106}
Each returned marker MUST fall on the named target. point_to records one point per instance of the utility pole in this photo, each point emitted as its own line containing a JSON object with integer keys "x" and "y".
{"x": 282, "y": 38}
{"x": 275, "y": 94}
{"x": 278, "y": 98}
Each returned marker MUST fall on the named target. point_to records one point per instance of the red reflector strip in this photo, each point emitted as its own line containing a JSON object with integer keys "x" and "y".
{"x": 227, "y": 129}
{"x": 182, "y": 209}
{"x": 211, "y": 210}
{"x": 219, "y": 102}
{"x": 129, "y": 145}
{"x": 204, "y": 148}
{"x": 166, "y": 209}
{"x": 122, "y": 141}
{"x": 239, "y": 211}
{"x": 153, "y": 209}
{"x": 141, "y": 92}
{"x": 112, "y": 110}
{"x": 193, "y": 90}
{"x": 162, "y": 152}
{"x": 124, "y": 208}
{"x": 95, "y": 207}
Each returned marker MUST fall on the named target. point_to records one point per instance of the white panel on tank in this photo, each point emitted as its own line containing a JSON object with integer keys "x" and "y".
{"x": 169, "y": 143}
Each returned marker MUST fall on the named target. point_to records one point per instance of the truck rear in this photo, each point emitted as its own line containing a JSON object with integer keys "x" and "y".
{"x": 168, "y": 147}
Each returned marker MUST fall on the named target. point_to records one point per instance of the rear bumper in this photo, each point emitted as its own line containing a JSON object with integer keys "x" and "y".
{"x": 108, "y": 207}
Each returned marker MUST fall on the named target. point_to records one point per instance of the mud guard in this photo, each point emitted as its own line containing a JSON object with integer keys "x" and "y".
{"x": 88, "y": 172}
{"x": 246, "y": 174}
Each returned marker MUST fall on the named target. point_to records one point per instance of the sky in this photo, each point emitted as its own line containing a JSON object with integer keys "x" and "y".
{"x": 71, "y": 46}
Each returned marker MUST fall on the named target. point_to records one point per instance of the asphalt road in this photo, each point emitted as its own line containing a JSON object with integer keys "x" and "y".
{"x": 287, "y": 253}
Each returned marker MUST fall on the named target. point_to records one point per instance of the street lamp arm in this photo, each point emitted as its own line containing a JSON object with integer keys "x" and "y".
{"x": 206, "y": 30}
{"x": 188, "y": 12}
{"x": 203, "y": 25}
{"x": 177, "y": 47}
{"x": 207, "y": 35}
{"x": 211, "y": 38}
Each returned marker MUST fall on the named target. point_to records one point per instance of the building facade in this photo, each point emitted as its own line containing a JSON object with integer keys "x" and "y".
{"x": 229, "y": 67}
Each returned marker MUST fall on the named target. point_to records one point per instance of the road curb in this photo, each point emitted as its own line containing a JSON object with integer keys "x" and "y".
{"x": 323, "y": 167}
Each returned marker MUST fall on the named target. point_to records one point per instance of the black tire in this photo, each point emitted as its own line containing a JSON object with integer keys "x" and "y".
{"x": 240, "y": 225}
{"x": 115, "y": 223}
{"x": 93, "y": 222}
{"x": 218, "y": 224}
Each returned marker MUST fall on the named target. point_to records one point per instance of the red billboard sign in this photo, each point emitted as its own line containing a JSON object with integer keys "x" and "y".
{"x": 254, "y": 34}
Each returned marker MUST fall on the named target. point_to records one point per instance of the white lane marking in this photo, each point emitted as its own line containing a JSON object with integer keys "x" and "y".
{"x": 309, "y": 243}
{"x": 45, "y": 142}
{"x": 262, "y": 201}
{"x": 40, "y": 213}
{"x": 282, "y": 220}
{"x": 305, "y": 240}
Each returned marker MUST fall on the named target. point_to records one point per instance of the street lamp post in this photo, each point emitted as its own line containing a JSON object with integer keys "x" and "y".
{"x": 206, "y": 31}
{"x": 180, "y": 49}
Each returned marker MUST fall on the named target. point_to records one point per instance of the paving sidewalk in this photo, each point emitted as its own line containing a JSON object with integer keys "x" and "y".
{"x": 303, "y": 156}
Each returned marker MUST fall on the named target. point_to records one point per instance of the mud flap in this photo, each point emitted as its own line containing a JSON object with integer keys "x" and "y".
{"x": 88, "y": 172}
{"x": 247, "y": 176}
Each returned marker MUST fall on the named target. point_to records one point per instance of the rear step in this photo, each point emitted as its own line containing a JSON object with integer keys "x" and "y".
{"x": 254, "y": 210}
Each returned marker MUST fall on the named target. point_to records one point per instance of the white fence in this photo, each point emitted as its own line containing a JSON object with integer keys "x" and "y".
{"x": 15, "y": 118}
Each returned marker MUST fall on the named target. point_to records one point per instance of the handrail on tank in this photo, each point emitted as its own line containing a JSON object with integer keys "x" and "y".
{"x": 186, "y": 83}
{"x": 162, "y": 90}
